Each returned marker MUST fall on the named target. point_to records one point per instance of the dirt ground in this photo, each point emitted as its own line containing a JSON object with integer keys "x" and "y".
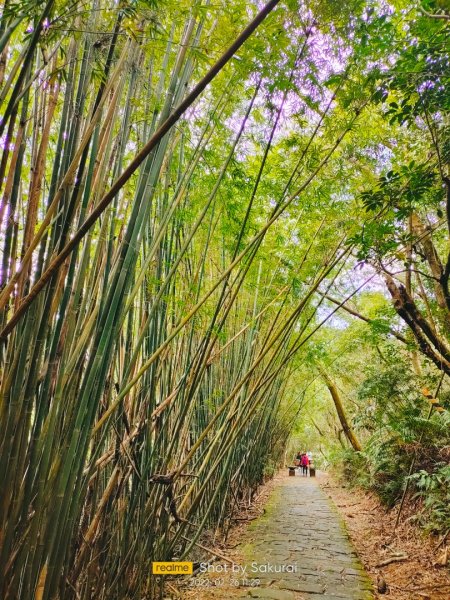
{"x": 413, "y": 575}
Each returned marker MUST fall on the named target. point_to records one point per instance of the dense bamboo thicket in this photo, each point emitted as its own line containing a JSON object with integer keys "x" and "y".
{"x": 162, "y": 246}
{"x": 144, "y": 374}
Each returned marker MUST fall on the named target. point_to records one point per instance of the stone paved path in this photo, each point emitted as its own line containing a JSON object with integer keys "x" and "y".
{"x": 302, "y": 528}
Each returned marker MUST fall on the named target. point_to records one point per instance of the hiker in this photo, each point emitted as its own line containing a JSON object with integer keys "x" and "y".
{"x": 305, "y": 463}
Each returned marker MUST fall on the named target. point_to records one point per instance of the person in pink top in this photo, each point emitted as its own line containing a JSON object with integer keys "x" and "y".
{"x": 304, "y": 463}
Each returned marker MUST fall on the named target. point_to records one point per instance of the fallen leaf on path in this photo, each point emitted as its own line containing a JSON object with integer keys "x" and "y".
{"x": 443, "y": 559}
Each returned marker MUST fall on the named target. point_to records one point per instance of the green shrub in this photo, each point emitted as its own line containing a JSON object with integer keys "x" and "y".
{"x": 354, "y": 468}
{"x": 433, "y": 489}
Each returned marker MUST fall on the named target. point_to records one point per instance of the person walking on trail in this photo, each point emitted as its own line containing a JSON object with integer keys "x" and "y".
{"x": 305, "y": 463}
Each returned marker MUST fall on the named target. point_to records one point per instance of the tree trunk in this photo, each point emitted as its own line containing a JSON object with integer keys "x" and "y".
{"x": 430, "y": 343}
{"x": 349, "y": 433}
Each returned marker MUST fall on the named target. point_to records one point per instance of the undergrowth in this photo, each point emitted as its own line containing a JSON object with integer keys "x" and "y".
{"x": 405, "y": 445}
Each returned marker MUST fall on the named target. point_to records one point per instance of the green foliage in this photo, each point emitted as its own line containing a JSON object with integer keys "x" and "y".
{"x": 396, "y": 415}
{"x": 353, "y": 467}
{"x": 433, "y": 490}
{"x": 186, "y": 329}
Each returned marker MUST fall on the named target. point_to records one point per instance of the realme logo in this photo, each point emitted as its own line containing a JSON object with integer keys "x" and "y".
{"x": 172, "y": 568}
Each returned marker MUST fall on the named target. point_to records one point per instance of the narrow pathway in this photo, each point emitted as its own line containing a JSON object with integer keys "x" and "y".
{"x": 299, "y": 550}
{"x": 302, "y": 528}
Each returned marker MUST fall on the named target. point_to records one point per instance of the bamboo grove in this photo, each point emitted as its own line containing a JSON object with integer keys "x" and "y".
{"x": 149, "y": 321}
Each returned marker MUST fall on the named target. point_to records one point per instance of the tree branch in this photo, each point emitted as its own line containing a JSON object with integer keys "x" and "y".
{"x": 423, "y": 332}
{"x": 358, "y": 315}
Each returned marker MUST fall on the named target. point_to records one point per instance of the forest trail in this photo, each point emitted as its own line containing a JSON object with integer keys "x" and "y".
{"x": 224, "y": 237}
{"x": 301, "y": 528}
